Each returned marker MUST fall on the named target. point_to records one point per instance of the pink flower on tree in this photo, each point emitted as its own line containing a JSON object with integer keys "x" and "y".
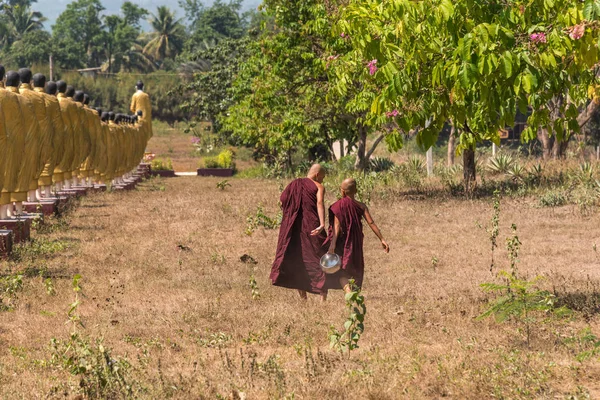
{"x": 195, "y": 140}
{"x": 538, "y": 37}
{"x": 372, "y": 65}
{"x": 392, "y": 114}
{"x": 576, "y": 32}
{"x": 343, "y": 35}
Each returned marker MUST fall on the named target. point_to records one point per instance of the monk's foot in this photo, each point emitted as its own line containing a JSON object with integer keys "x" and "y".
{"x": 302, "y": 294}
{"x": 323, "y": 297}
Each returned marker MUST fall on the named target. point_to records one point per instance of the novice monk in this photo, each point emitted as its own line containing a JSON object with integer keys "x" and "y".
{"x": 301, "y": 236}
{"x": 346, "y": 237}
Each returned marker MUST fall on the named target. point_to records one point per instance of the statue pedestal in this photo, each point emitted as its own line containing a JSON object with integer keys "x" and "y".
{"x": 48, "y": 206}
{"x": 128, "y": 185}
{"x": 36, "y": 217}
{"x": 21, "y": 228}
{"x": 144, "y": 170}
{"x": 73, "y": 192}
{"x": 100, "y": 188}
{"x": 82, "y": 190}
{"x": 6, "y": 243}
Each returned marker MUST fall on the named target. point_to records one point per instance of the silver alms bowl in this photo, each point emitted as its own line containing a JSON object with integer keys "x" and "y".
{"x": 331, "y": 263}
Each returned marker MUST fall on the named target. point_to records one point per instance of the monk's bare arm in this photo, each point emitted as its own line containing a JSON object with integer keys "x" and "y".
{"x": 320, "y": 209}
{"x": 336, "y": 234}
{"x": 376, "y": 230}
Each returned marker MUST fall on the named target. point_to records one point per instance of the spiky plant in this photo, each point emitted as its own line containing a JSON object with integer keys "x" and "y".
{"x": 500, "y": 163}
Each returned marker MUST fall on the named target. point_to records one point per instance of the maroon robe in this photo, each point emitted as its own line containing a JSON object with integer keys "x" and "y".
{"x": 296, "y": 264}
{"x": 349, "y": 244}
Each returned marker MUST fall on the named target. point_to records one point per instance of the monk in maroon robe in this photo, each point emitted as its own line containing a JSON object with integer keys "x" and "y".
{"x": 346, "y": 237}
{"x": 301, "y": 236}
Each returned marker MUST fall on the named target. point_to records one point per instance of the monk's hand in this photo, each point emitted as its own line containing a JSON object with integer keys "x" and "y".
{"x": 386, "y": 247}
{"x": 317, "y": 231}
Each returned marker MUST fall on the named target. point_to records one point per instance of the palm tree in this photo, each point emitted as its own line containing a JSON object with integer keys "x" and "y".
{"x": 22, "y": 20}
{"x": 168, "y": 36}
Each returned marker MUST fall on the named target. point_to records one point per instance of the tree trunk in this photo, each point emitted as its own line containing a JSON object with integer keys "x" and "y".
{"x": 470, "y": 174}
{"x": 451, "y": 146}
{"x": 587, "y": 114}
{"x": 361, "y": 161}
{"x": 547, "y": 143}
{"x": 559, "y": 149}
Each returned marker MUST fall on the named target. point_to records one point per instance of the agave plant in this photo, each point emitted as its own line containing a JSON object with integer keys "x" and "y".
{"x": 585, "y": 175}
{"x": 536, "y": 171}
{"x": 500, "y": 163}
{"x": 416, "y": 163}
{"x": 380, "y": 164}
{"x": 517, "y": 172}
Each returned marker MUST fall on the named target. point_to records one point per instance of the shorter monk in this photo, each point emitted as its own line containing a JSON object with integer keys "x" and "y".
{"x": 346, "y": 237}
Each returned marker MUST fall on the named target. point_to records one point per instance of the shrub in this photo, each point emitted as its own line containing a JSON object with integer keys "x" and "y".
{"x": 225, "y": 159}
{"x": 161, "y": 165}
{"x": 553, "y": 199}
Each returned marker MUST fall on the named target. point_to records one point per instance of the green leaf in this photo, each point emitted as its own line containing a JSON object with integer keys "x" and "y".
{"x": 447, "y": 9}
{"x": 506, "y": 63}
{"x": 591, "y": 9}
{"x": 529, "y": 83}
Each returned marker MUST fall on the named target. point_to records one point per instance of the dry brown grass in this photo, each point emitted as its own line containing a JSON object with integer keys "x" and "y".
{"x": 160, "y": 306}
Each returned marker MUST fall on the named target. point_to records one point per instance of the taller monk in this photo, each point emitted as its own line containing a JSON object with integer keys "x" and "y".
{"x": 140, "y": 101}
{"x": 301, "y": 236}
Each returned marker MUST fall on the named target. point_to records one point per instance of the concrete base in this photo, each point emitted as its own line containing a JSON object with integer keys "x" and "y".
{"x": 128, "y": 185}
{"x": 100, "y": 188}
{"x": 6, "y": 243}
{"x": 220, "y": 172}
{"x": 47, "y": 206}
{"x": 82, "y": 190}
{"x": 73, "y": 192}
{"x": 21, "y": 228}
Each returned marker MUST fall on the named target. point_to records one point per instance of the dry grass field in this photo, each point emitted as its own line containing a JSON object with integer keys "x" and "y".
{"x": 163, "y": 286}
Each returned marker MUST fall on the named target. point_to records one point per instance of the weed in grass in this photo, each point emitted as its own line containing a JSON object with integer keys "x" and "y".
{"x": 260, "y": 219}
{"x": 347, "y": 340}
{"x": 10, "y": 286}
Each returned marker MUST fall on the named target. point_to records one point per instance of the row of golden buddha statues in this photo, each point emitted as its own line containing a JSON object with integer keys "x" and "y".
{"x": 52, "y": 140}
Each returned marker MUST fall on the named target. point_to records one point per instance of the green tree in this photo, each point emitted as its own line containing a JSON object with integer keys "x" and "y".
{"x": 474, "y": 63}
{"x": 219, "y": 21}
{"x": 167, "y": 36}
{"x": 288, "y": 96}
{"x": 33, "y": 47}
{"x": 22, "y": 19}
{"x": 78, "y": 34}
{"x": 123, "y": 52}
{"x": 214, "y": 69}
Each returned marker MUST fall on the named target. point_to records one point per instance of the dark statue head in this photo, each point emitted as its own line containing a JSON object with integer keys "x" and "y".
{"x": 140, "y": 113}
{"x": 111, "y": 115}
{"x": 61, "y": 86}
{"x": 2, "y": 72}
{"x": 25, "y": 74}
{"x": 51, "y": 88}
{"x": 99, "y": 111}
{"x": 78, "y": 96}
{"x": 39, "y": 80}
{"x": 86, "y": 99}
{"x": 139, "y": 85}
{"x": 13, "y": 78}
{"x": 104, "y": 116}
{"x": 70, "y": 91}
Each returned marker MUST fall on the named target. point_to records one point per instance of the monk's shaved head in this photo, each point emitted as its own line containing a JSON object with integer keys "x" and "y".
{"x": 316, "y": 173}
{"x": 349, "y": 186}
